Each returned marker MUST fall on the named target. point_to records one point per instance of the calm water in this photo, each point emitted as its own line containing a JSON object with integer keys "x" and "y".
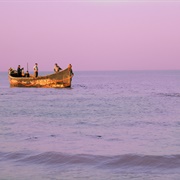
{"x": 109, "y": 125}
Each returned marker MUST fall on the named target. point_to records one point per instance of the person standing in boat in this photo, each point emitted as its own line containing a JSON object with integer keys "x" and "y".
{"x": 70, "y": 69}
{"x": 19, "y": 71}
{"x": 36, "y": 70}
{"x": 57, "y": 68}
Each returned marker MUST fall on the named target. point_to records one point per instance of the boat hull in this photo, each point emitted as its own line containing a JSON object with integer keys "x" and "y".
{"x": 61, "y": 79}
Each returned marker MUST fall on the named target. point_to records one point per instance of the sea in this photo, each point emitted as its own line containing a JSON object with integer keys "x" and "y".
{"x": 110, "y": 125}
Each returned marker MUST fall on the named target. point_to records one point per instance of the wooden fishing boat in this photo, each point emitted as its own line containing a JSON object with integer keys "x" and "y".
{"x": 61, "y": 79}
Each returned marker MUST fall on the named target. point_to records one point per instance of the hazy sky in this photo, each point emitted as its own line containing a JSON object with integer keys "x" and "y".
{"x": 89, "y": 34}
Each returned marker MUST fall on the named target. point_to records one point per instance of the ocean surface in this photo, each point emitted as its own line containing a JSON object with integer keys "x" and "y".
{"x": 114, "y": 125}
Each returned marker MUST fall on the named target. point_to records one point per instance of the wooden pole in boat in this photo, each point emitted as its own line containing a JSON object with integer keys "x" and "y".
{"x": 27, "y": 66}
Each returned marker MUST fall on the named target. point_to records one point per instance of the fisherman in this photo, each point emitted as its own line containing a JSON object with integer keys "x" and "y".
{"x": 36, "y": 70}
{"x": 70, "y": 69}
{"x": 26, "y": 74}
{"x": 57, "y": 68}
{"x": 19, "y": 71}
{"x": 10, "y": 70}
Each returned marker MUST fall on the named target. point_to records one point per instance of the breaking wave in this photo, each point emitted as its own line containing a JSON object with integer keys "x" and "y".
{"x": 118, "y": 161}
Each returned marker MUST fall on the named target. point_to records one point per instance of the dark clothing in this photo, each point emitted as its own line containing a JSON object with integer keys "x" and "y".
{"x": 36, "y": 74}
{"x": 19, "y": 72}
{"x": 26, "y": 74}
{"x": 71, "y": 72}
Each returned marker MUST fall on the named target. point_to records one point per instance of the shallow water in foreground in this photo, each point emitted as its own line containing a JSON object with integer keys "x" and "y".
{"x": 109, "y": 125}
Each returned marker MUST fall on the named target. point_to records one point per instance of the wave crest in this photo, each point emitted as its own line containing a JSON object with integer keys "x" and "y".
{"x": 118, "y": 161}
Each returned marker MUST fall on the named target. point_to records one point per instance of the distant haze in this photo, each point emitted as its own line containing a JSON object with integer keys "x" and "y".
{"x": 91, "y": 35}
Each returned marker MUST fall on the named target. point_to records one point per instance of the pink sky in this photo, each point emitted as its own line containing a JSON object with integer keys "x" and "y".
{"x": 91, "y": 35}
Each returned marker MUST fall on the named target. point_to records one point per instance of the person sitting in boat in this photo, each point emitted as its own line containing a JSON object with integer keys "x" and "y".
{"x": 56, "y": 68}
{"x": 26, "y": 74}
{"x": 11, "y": 70}
{"x": 19, "y": 71}
{"x": 35, "y": 70}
